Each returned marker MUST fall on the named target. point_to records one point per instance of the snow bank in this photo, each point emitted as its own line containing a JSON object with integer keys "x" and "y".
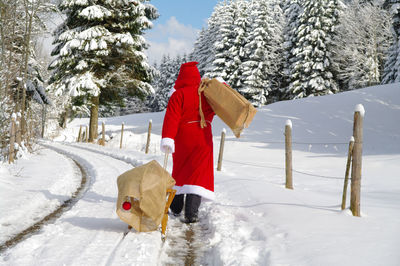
{"x": 254, "y": 220}
{"x": 31, "y": 189}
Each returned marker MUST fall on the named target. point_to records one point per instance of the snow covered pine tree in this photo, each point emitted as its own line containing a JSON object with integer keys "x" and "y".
{"x": 360, "y": 46}
{"x": 312, "y": 72}
{"x": 262, "y": 52}
{"x": 392, "y": 66}
{"x": 165, "y": 80}
{"x": 100, "y": 52}
{"x": 204, "y": 48}
{"x": 291, "y": 11}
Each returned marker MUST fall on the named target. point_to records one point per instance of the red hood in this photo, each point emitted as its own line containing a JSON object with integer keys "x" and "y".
{"x": 188, "y": 75}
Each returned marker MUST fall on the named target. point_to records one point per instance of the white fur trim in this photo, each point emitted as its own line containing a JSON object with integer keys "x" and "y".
{"x": 171, "y": 92}
{"x": 220, "y": 80}
{"x": 167, "y": 142}
{"x": 193, "y": 189}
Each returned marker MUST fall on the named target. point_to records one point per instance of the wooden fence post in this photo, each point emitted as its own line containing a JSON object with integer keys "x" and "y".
{"x": 87, "y": 134}
{"x": 357, "y": 160}
{"x": 79, "y": 134}
{"x": 346, "y": 176}
{"x": 18, "y": 128}
{"x": 221, "y": 149}
{"x": 29, "y": 134}
{"x": 44, "y": 109}
{"x": 288, "y": 154}
{"x": 122, "y": 135}
{"x": 12, "y": 141}
{"x": 148, "y": 136}
{"x": 103, "y": 134}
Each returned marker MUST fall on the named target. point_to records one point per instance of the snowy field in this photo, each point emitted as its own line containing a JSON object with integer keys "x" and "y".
{"x": 254, "y": 220}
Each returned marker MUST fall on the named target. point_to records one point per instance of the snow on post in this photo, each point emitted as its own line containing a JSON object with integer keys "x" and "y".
{"x": 288, "y": 154}
{"x": 360, "y": 109}
{"x": 357, "y": 160}
{"x": 289, "y": 123}
{"x": 221, "y": 149}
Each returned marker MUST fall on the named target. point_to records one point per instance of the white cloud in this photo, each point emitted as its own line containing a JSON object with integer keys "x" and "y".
{"x": 172, "y": 38}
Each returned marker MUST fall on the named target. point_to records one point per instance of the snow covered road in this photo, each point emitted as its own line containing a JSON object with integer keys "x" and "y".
{"x": 254, "y": 219}
{"x": 89, "y": 233}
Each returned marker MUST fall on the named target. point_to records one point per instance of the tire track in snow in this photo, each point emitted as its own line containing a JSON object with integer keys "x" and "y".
{"x": 114, "y": 247}
{"x": 132, "y": 161}
{"x": 185, "y": 244}
{"x": 111, "y": 257}
{"x": 64, "y": 207}
{"x": 92, "y": 165}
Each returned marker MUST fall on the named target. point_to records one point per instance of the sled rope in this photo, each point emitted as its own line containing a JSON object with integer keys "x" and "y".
{"x": 203, "y": 123}
{"x": 166, "y": 160}
{"x": 171, "y": 194}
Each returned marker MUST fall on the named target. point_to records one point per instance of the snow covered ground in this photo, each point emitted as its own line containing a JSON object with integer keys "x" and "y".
{"x": 254, "y": 220}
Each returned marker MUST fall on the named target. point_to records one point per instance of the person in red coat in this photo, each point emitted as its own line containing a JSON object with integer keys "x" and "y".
{"x": 190, "y": 142}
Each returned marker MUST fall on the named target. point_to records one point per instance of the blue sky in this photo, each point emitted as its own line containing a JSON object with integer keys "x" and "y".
{"x": 188, "y": 12}
{"x": 176, "y": 29}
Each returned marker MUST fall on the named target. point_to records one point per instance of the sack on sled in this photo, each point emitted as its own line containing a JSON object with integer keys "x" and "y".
{"x": 228, "y": 104}
{"x": 142, "y": 196}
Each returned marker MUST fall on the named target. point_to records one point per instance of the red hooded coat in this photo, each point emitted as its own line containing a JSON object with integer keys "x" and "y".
{"x": 193, "y": 164}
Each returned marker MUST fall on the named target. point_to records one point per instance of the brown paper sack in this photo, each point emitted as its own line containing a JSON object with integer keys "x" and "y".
{"x": 145, "y": 188}
{"x": 229, "y": 105}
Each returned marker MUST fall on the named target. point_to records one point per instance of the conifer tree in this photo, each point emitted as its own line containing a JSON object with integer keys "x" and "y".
{"x": 204, "y": 47}
{"x": 292, "y": 9}
{"x": 35, "y": 83}
{"x": 392, "y": 65}
{"x": 262, "y": 53}
{"x": 362, "y": 40}
{"x": 241, "y": 26}
{"x": 202, "y": 51}
{"x": 276, "y": 53}
{"x": 312, "y": 72}
{"x": 100, "y": 52}
{"x": 20, "y": 76}
{"x": 168, "y": 71}
{"x": 225, "y": 36}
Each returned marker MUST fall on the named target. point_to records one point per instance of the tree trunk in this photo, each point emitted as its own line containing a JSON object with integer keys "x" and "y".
{"x": 94, "y": 117}
{"x": 30, "y": 14}
{"x": 64, "y": 118}
{"x": 11, "y": 69}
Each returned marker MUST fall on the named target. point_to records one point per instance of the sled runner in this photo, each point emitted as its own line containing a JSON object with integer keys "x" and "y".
{"x": 142, "y": 194}
{"x": 228, "y": 104}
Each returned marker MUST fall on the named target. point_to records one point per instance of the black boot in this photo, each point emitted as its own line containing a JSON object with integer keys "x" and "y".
{"x": 177, "y": 204}
{"x": 192, "y": 204}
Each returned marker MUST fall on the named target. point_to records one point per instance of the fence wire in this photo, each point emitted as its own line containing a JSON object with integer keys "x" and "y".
{"x": 301, "y": 143}
{"x": 296, "y": 171}
{"x": 282, "y": 168}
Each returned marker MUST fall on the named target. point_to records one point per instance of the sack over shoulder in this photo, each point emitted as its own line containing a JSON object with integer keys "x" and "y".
{"x": 145, "y": 188}
{"x": 228, "y": 104}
